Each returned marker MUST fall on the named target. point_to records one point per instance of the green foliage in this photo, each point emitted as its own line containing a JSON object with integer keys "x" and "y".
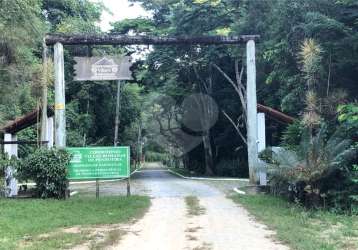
{"x": 231, "y": 168}
{"x": 291, "y": 137}
{"x": 303, "y": 229}
{"x": 151, "y": 156}
{"x": 138, "y": 25}
{"x": 63, "y": 14}
{"x": 348, "y": 117}
{"x": 310, "y": 172}
{"x": 48, "y": 168}
{"x": 5, "y": 162}
{"x": 328, "y": 61}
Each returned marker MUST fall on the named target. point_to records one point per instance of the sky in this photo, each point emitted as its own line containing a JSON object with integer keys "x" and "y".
{"x": 121, "y": 9}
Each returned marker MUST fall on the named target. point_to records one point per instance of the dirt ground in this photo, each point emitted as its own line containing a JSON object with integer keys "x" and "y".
{"x": 222, "y": 225}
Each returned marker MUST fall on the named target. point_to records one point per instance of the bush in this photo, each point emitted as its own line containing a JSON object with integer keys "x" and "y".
{"x": 151, "y": 156}
{"x": 348, "y": 118}
{"x": 316, "y": 173}
{"x": 173, "y": 162}
{"x": 4, "y": 163}
{"x": 292, "y": 135}
{"x": 231, "y": 168}
{"x": 48, "y": 169}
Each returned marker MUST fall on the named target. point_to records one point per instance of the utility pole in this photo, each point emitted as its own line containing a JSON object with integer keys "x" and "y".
{"x": 44, "y": 125}
{"x": 60, "y": 117}
{"x": 118, "y": 107}
{"x": 116, "y": 127}
{"x": 139, "y": 142}
{"x": 251, "y": 111}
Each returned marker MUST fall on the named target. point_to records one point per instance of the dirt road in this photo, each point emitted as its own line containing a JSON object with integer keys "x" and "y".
{"x": 222, "y": 225}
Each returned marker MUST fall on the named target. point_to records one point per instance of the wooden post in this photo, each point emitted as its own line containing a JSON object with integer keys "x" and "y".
{"x": 97, "y": 189}
{"x": 116, "y": 125}
{"x": 251, "y": 110}
{"x": 139, "y": 144}
{"x": 128, "y": 187}
{"x": 60, "y": 119}
{"x": 44, "y": 120}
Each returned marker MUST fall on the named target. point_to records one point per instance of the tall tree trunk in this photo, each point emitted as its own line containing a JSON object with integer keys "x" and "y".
{"x": 209, "y": 163}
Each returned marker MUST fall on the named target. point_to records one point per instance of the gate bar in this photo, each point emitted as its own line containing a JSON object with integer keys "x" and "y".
{"x": 114, "y": 39}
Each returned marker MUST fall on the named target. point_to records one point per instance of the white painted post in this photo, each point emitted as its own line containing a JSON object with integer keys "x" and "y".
{"x": 14, "y": 146}
{"x": 10, "y": 181}
{"x": 60, "y": 118}
{"x": 261, "y": 145}
{"x": 8, "y": 147}
{"x": 261, "y": 132}
{"x": 251, "y": 110}
{"x": 50, "y": 132}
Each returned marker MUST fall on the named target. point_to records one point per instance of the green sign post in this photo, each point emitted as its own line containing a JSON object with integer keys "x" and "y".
{"x": 99, "y": 163}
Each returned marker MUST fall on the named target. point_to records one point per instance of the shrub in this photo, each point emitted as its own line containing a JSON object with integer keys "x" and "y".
{"x": 48, "y": 169}
{"x": 292, "y": 135}
{"x": 151, "y": 156}
{"x": 231, "y": 168}
{"x": 4, "y": 163}
{"x": 348, "y": 117}
{"x": 315, "y": 171}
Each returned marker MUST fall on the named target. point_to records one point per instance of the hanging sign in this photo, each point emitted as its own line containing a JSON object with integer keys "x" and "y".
{"x": 99, "y": 163}
{"x": 103, "y": 68}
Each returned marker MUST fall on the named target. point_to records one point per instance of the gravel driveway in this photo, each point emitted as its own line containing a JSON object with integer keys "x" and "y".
{"x": 167, "y": 226}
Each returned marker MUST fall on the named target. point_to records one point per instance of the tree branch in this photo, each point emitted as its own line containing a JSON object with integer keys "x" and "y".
{"x": 236, "y": 87}
{"x": 236, "y": 127}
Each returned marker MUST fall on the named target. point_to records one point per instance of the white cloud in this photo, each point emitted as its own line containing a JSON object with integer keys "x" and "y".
{"x": 121, "y": 9}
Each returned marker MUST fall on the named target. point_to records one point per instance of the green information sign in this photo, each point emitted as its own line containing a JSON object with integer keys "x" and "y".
{"x": 99, "y": 163}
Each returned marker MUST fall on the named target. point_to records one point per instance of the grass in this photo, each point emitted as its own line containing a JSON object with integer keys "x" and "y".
{"x": 193, "y": 206}
{"x": 303, "y": 229}
{"x": 24, "y": 221}
{"x": 58, "y": 240}
{"x": 112, "y": 238}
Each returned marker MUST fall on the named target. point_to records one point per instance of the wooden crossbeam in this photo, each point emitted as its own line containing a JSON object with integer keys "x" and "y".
{"x": 25, "y": 121}
{"x": 113, "y": 39}
{"x": 22, "y": 142}
{"x": 275, "y": 114}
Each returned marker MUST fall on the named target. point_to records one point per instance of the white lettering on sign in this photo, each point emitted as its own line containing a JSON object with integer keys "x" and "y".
{"x": 103, "y": 68}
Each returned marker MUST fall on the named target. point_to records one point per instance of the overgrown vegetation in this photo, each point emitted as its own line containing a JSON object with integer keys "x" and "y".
{"x": 317, "y": 173}
{"x": 5, "y": 162}
{"x": 303, "y": 229}
{"x": 48, "y": 169}
{"x": 151, "y": 156}
{"x": 193, "y": 206}
{"x": 23, "y": 223}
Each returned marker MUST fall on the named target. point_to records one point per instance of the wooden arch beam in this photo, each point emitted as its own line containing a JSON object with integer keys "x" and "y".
{"x": 113, "y": 39}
